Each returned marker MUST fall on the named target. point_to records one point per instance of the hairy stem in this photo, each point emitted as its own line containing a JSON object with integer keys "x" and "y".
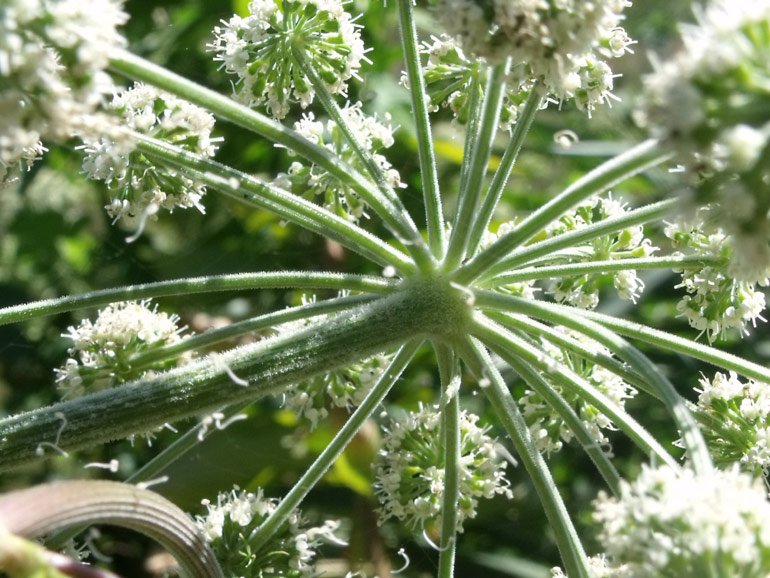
{"x": 430, "y": 187}
{"x": 210, "y": 284}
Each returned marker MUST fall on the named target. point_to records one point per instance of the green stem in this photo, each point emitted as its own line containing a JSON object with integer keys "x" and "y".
{"x": 234, "y": 282}
{"x": 681, "y": 345}
{"x": 496, "y": 187}
{"x": 497, "y": 393}
{"x": 563, "y": 340}
{"x": 137, "y": 68}
{"x": 609, "y": 226}
{"x": 416, "y": 244}
{"x": 624, "y": 166}
{"x": 42, "y": 509}
{"x": 600, "y": 267}
{"x": 470, "y": 192}
{"x": 250, "y": 190}
{"x": 430, "y": 188}
{"x": 335, "y": 448}
{"x": 450, "y": 415}
{"x": 541, "y": 386}
{"x": 215, "y": 382}
{"x": 514, "y": 347}
{"x": 267, "y": 321}
{"x": 697, "y": 450}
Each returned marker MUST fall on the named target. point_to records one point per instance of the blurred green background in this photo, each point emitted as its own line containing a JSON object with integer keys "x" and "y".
{"x": 56, "y": 239}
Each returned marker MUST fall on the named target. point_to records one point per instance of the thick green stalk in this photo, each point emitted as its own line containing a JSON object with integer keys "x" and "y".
{"x": 503, "y": 341}
{"x": 497, "y": 393}
{"x": 450, "y": 416}
{"x": 137, "y": 68}
{"x": 574, "y": 238}
{"x": 213, "y": 283}
{"x": 434, "y": 215}
{"x": 600, "y": 267}
{"x": 39, "y": 510}
{"x": 420, "y": 309}
{"x": 692, "y": 439}
{"x": 335, "y": 448}
{"x": 470, "y": 192}
{"x": 496, "y": 187}
{"x": 624, "y": 166}
{"x": 247, "y": 189}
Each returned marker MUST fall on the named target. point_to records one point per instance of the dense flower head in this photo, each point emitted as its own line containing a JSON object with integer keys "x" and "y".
{"x": 141, "y": 187}
{"x": 52, "y": 59}
{"x": 449, "y": 79}
{"x": 410, "y": 470}
{"x": 583, "y": 291}
{"x": 743, "y": 411}
{"x": 563, "y": 44}
{"x": 101, "y": 352}
{"x": 263, "y": 49}
{"x": 548, "y": 428}
{"x": 718, "y": 295}
{"x": 313, "y": 182}
{"x": 679, "y": 523}
{"x": 230, "y": 526}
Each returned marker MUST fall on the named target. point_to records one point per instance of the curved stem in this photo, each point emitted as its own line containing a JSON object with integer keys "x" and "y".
{"x": 573, "y": 238}
{"x": 681, "y": 345}
{"x": 450, "y": 416}
{"x": 250, "y": 190}
{"x": 497, "y": 393}
{"x": 42, "y": 509}
{"x": 210, "y": 284}
{"x": 603, "y": 177}
{"x": 691, "y": 436}
{"x": 504, "y": 341}
{"x": 137, "y": 68}
{"x": 600, "y": 267}
{"x": 470, "y": 192}
{"x": 335, "y": 448}
{"x": 434, "y": 215}
{"x": 496, "y": 187}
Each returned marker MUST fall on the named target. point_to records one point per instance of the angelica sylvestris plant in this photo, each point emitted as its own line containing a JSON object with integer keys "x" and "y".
{"x": 448, "y": 276}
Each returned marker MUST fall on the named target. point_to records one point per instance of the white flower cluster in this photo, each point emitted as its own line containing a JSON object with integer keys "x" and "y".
{"x": 716, "y": 300}
{"x": 688, "y": 97}
{"x": 261, "y": 50}
{"x": 231, "y": 523}
{"x": 52, "y": 59}
{"x": 101, "y": 353}
{"x": 583, "y": 291}
{"x": 142, "y": 187}
{"x": 743, "y": 410}
{"x": 598, "y": 567}
{"x": 678, "y": 523}
{"x": 562, "y": 43}
{"x": 523, "y": 289}
{"x": 709, "y": 101}
{"x": 344, "y": 388}
{"x": 313, "y": 182}
{"x": 410, "y": 470}
{"x": 449, "y": 76}
{"x": 548, "y": 429}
